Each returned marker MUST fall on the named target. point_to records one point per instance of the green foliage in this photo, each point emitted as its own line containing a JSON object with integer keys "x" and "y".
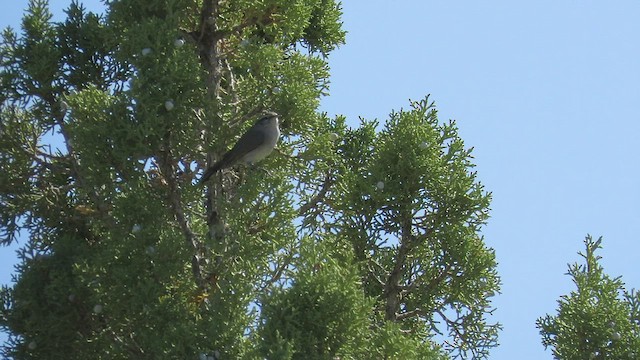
{"x": 92, "y": 66}
{"x": 323, "y": 314}
{"x": 412, "y": 209}
{"x": 38, "y": 54}
{"x": 46, "y": 308}
{"x": 351, "y": 243}
{"x": 600, "y": 320}
{"x": 390, "y": 342}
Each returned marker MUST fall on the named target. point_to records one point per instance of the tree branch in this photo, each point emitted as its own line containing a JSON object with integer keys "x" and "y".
{"x": 452, "y": 324}
{"x": 408, "y": 314}
{"x": 392, "y": 288}
{"x": 372, "y": 273}
{"x": 167, "y": 167}
{"x": 209, "y": 44}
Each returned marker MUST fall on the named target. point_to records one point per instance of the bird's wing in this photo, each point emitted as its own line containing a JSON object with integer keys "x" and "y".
{"x": 252, "y": 139}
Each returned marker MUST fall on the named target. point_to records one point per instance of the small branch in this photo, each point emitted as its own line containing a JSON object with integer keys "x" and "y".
{"x": 376, "y": 277}
{"x": 409, "y": 314}
{"x": 451, "y": 324}
{"x": 232, "y": 82}
{"x": 326, "y": 184}
{"x": 134, "y": 349}
{"x": 236, "y": 29}
{"x": 406, "y": 289}
{"x": 438, "y": 279}
{"x": 277, "y": 274}
{"x": 249, "y": 115}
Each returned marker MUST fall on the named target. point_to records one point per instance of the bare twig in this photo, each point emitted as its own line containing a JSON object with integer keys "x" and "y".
{"x": 375, "y": 276}
{"x": 232, "y": 83}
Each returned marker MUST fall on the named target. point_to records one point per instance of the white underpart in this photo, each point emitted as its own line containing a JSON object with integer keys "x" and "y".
{"x": 266, "y": 148}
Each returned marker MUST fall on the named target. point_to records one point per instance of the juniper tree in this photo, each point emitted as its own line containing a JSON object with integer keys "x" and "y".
{"x": 599, "y": 320}
{"x": 346, "y": 242}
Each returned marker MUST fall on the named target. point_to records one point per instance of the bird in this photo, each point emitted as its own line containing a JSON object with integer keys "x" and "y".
{"x": 254, "y": 145}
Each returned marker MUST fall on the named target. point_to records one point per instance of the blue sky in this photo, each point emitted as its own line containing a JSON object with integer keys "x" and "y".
{"x": 548, "y": 94}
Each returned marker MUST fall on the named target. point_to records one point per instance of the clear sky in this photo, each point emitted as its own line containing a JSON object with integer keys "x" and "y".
{"x": 548, "y": 94}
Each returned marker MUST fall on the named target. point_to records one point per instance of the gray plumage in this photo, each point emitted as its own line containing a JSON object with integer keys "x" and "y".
{"x": 256, "y": 144}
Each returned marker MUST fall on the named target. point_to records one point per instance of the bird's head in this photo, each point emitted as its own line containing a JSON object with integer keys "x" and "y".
{"x": 268, "y": 118}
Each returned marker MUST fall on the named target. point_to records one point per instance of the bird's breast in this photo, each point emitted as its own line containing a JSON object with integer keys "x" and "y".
{"x": 264, "y": 149}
